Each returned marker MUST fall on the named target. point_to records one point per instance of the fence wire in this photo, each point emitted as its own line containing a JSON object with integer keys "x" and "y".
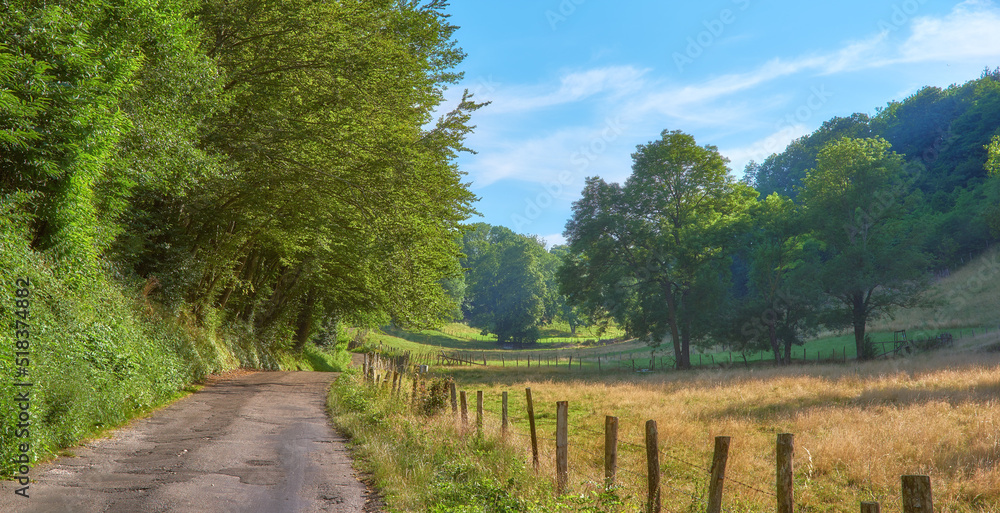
{"x": 518, "y": 426}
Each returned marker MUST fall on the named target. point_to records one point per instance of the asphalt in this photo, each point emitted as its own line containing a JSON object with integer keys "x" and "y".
{"x": 247, "y": 442}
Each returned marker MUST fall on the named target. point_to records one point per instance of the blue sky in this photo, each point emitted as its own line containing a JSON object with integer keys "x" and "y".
{"x": 575, "y": 85}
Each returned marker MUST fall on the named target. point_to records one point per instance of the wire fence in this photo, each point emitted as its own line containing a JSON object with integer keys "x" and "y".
{"x": 688, "y": 482}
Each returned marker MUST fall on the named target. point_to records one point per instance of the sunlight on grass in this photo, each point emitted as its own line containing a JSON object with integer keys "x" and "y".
{"x": 857, "y": 428}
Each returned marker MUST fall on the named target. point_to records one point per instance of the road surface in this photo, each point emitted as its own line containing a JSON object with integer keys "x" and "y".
{"x": 247, "y": 442}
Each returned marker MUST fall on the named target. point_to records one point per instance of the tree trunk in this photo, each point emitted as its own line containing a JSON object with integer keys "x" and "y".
{"x": 859, "y": 315}
{"x": 279, "y": 298}
{"x": 772, "y": 336}
{"x": 303, "y": 325}
{"x": 675, "y": 336}
{"x": 684, "y": 362}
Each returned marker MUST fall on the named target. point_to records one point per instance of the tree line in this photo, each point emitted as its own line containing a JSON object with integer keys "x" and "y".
{"x": 275, "y": 164}
{"x": 838, "y": 230}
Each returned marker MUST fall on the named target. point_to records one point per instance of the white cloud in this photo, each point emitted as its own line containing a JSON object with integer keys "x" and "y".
{"x": 729, "y": 103}
{"x": 969, "y": 31}
{"x": 573, "y": 87}
{"x": 763, "y": 148}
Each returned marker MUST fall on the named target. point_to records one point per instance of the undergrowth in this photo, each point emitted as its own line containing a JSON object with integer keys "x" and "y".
{"x": 101, "y": 355}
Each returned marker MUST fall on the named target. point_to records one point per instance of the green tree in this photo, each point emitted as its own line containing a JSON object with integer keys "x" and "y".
{"x": 992, "y": 212}
{"x": 653, "y": 254}
{"x": 783, "y": 297}
{"x": 506, "y": 286}
{"x": 860, "y": 207}
{"x": 993, "y": 156}
{"x": 334, "y": 195}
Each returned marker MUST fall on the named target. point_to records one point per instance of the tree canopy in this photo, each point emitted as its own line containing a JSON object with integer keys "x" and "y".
{"x": 277, "y": 164}
{"x": 650, "y": 253}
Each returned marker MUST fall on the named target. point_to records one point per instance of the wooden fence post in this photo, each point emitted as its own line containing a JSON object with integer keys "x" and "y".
{"x": 562, "y": 446}
{"x": 786, "y": 494}
{"x": 465, "y": 410}
{"x": 610, "y": 451}
{"x": 454, "y": 402}
{"x": 503, "y": 417}
{"x": 479, "y": 412}
{"x": 531, "y": 425}
{"x": 652, "y": 468}
{"x": 869, "y": 507}
{"x": 917, "y": 494}
{"x": 719, "y": 459}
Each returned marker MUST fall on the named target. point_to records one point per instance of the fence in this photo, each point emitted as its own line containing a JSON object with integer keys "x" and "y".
{"x": 915, "y": 490}
{"x": 662, "y": 359}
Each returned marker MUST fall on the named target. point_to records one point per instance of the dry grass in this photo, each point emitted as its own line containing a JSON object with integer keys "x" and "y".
{"x": 857, "y": 429}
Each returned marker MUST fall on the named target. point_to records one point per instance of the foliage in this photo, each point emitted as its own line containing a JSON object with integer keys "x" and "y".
{"x": 993, "y": 160}
{"x": 434, "y": 396}
{"x": 944, "y": 135}
{"x": 861, "y": 209}
{"x": 652, "y": 253}
{"x": 195, "y": 185}
{"x": 782, "y": 298}
{"x": 506, "y": 288}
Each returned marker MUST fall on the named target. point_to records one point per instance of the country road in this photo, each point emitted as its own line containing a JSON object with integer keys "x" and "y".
{"x": 247, "y": 442}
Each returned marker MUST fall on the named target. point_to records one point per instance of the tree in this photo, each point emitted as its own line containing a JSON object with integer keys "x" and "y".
{"x": 861, "y": 210}
{"x": 506, "y": 286}
{"x": 782, "y": 299}
{"x": 992, "y": 212}
{"x": 993, "y": 156}
{"x": 326, "y": 190}
{"x": 653, "y": 254}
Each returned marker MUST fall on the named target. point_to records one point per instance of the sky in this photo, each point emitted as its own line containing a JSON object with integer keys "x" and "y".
{"x": 576, "y": 85}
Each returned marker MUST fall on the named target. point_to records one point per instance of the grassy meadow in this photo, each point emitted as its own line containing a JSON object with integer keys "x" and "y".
{"x": 858, "y": 426}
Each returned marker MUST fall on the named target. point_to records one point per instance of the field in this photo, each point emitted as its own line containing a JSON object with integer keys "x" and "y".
{"x": 858, "y": 427}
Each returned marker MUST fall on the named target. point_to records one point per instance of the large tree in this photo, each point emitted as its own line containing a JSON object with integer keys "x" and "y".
{"x": 506, "y": 284}
{"x": 782, "y": 298}
{"x": 651, "y": 253}
{"x": 337, "y": 194}
{"x": 860, "y": 207}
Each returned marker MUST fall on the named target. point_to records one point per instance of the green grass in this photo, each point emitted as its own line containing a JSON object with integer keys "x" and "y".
{"x": 423, "y": 461}
{"x": 335, "y": 359}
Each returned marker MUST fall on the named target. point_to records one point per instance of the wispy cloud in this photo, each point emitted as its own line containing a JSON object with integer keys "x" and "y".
{"x": 646, "y": 102}
{"x": 572, "y": 87}
{"x": 971, "y": 30}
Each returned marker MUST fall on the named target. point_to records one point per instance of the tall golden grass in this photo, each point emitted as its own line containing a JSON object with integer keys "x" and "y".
{"x": 857, "y": 428}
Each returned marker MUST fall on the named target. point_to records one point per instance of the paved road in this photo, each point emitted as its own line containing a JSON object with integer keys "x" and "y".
{"x": 249, "y": 442}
